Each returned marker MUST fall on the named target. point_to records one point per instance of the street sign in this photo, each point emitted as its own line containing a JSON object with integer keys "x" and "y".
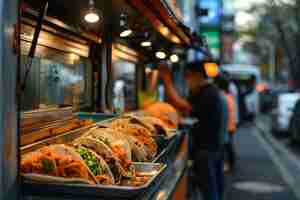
{"x": 214, "y": 43}
{"x": 213, "y": 16}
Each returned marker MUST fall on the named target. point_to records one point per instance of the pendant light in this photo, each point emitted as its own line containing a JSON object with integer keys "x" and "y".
{"x": 92, "y": 15}
{"x": 174, "y": 58}
{"x": 126, "y": 31}
{"x": 160, "y": 54}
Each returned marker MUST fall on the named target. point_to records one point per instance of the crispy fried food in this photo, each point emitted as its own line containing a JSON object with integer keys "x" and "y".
{"x": 47, "y": 162}
{"x": 141, "y": 134}
{"x": 164, "y": 112}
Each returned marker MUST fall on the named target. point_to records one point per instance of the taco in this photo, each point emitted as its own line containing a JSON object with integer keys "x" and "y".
{"x": 114, "y": 140}
{"x": 135, "y": 121}
{"x": 160, "y": 127}
{"x": 108, "y": 155}
{"x": 137, "y": 149}
{"x": 118, "y": 143}
{"x": 56, "y": 161}
{"x": 164, "y": 112}
{"x": 97, "y": 165}
{"x": 141, "y": 136}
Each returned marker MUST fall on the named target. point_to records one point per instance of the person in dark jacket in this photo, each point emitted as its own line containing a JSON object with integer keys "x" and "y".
{"x": 205, "y": 103}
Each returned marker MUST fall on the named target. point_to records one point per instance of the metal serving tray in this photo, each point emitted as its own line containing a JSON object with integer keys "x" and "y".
{"x": 84, "y": 191}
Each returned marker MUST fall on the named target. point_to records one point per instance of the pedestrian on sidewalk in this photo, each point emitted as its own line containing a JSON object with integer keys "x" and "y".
{"x": 204, "y": 104}
{"x": 224, "y": 84}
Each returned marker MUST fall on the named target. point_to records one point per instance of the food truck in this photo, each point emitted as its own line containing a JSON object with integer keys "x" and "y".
{"x": 71, "y": 125}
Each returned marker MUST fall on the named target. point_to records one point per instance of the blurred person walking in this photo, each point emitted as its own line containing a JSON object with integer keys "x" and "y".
{"x": 224, "y": 84}
{"x": 206, "y": 105}
{"x": 233, "y": 90}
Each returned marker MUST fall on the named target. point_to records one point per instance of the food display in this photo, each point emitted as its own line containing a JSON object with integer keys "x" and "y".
{"x": 103, "y": 154}
{"x": 140, "y": 139}
{"x": 57, "y": 161}
{"x": 165, "y": 112}
{"x": 159, "y": 126}
{"x": 121, "y": 157}
{"x": 83, "y": 162}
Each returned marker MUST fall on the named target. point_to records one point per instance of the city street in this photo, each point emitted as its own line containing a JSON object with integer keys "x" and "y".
{"x": 267, "y": 167}
{"x": 260, "y": 173}
{"x": 139, "y": 100}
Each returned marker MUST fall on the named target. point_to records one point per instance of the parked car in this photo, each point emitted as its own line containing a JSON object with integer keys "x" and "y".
{"x": 267, "y": 102}
{"x": 282, "y": 112}
{"x": 294, "y": 128}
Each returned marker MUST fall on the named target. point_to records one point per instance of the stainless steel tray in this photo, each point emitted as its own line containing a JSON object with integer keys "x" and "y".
{"x": 167, "y": 149}
{"x": 67, "y": 137}
{"x": 84, "y": 191}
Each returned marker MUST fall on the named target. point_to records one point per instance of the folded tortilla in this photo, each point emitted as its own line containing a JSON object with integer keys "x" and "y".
{"x": 129, "y": 119}
{"x": 107, "y": 154}
{"x": 141, "y": 135}
{"x": 59, "y": 162}
{"x": 113, "y": 138}
{"x": 160, "y": 127}
{"x": 97, "y": 165}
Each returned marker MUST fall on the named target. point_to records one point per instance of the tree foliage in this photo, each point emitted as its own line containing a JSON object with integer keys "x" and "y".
{"x": 279, "y": 24}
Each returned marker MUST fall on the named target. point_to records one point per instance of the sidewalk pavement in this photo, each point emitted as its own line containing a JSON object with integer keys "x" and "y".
{"x": 287, "y": 162}
{"x": 257, "y": 176}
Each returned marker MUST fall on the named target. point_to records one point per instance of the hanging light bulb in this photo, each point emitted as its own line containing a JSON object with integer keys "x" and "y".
{"x": 160, "y": 54}
{"x": 124, "y": 25}
{"x": 174, "y": 58}
{"x": 92, "y": 15}
{"x": 146, "y": 44}
{"x": 126, "y": 33}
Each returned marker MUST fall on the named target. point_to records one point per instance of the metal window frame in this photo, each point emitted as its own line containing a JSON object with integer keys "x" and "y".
{"x": 9, "y": 140}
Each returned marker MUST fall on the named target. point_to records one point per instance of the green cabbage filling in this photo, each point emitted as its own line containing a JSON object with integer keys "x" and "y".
{"x": 91, "y": 161}
{"x": 48, "y": 166}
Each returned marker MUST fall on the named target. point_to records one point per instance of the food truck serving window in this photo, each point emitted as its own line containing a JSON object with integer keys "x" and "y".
{"x": 53, "y": 83}
{"x": 58, "y": 76}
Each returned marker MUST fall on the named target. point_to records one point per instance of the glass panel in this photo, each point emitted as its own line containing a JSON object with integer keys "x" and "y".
{"x": 124, "y": 85}
{"x": 30, "y": 97}
{"x": 52, "y": 83}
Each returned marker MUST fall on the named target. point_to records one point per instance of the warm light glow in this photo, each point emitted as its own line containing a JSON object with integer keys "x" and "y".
{"x": 146, "y": 44}
{"x": 73, "y": 56}
{"x": 126, "y": 33}
{"x": 148, "y": 70}
{"x": 160, "y": 55}
{"x": 174, "y": 58}
{"x": 164, "y": 30}
{"x": 261, "y": 87}
{"x": 211, "y": 69}
{"x": 91, "y": 17}
{"x": 175, "y": 39}
{"x": 122, "y": 52}
{"x": 125, "y": 49}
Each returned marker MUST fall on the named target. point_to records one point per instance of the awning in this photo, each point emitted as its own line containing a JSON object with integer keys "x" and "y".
{"x": 161, "y": 19}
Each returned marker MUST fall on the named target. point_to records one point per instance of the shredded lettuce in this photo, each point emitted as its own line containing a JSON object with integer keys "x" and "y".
{"x": 91, "y": 161}
{"x": 48, "y": 166}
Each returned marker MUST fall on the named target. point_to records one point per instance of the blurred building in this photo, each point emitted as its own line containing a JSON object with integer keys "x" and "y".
{"x": 209, "y": 17}
{"x": 227, "y": 36}
{"x": 216, "y": 20}
{"x": 185, "y": 11}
